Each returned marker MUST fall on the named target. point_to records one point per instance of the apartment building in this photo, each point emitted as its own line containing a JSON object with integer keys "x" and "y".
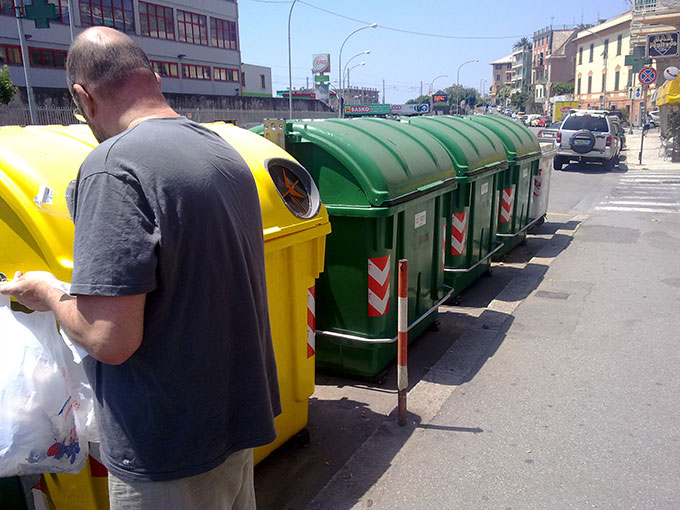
{"x": 602, "y": 77}
{"x": 194, "y": 46}
{"x": 553, "y": 60}
{"x": 521, "y": 68}
{"x": 502, "y": 76}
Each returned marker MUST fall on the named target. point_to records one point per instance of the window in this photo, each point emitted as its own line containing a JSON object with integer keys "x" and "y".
{"x": 165, "y": 68}
{"x": 192, "y": 27}
{"x": 7, "y": 7}
{"x": 116, "y": 14}
{"x": 10, "y": 55}
{"x": 498, "y": 77}
{"x": 630, "y": 79}
{"x": 578, "y": 86}
{"x": 195, "y": 72}
{"x": 606, "y": 46}
{"x": 156, "y": 21}
{"x": 223, "y": 34}
{"x": 617, "y": 76}
{"x": 578, "y": 122}
{"x": 226, "y": 74}
{"x": 580, "y": 55}
{"x": 619, "y": 44}
{"x": 45, "y": 57}
{"x": 592, "y": 50}
{"x": 590, "y": 84}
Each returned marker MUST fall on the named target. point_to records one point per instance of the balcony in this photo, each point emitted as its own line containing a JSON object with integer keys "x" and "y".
{"x": 657, "y": 7}
{"x": 653, "y": 16}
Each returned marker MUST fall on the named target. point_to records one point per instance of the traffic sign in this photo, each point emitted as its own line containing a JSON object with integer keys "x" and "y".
{"x": 647, "y": 76}
{"x": 637, "y": 93}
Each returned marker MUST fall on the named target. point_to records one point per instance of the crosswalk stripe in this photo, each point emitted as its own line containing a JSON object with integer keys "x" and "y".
{"x": 645, "y": 192}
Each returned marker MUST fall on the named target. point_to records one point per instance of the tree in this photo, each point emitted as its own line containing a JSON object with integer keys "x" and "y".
{"x": 559, "y": 89}
{"x": 519, "y": 100}
{"x": 523, "y": 43}
{"x": 7, "y": 88}
{"x": 503, "y": 94}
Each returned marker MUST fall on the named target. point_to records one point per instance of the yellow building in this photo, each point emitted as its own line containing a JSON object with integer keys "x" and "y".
{"x": 602, "y": 79}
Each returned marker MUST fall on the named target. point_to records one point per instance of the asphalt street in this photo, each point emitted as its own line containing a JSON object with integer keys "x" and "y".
{"x": 552, "y": 384}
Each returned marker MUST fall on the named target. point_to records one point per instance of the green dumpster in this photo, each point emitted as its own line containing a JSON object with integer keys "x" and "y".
{"x": 516, "y": 184}
{"x": 383, "y": 184}
{"x": 471, "y": 209}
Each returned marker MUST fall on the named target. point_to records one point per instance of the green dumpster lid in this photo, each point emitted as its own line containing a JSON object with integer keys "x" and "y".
{"x": 372, "y": 162}
{"x": 474, "y": 148}
{"x": 520, "y": 143}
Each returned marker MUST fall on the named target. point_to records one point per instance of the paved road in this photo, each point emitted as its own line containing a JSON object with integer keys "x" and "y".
{"x": 553, "y": 385}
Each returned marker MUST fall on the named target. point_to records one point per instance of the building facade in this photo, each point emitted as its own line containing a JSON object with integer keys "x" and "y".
{"x": 193, "y": 46}
{"x": 521, "y": 69}
{"x": 553, "y": 61}
{"x": 501, "y": 77}
{"x": 602, "y": 77}
{"x": 256, "y": 80}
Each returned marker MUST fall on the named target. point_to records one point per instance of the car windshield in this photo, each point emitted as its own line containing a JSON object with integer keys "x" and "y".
{"x": 578, "y": 122}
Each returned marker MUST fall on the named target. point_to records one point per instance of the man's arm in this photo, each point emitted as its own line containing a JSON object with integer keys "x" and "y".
{"x": 109, "y": 328}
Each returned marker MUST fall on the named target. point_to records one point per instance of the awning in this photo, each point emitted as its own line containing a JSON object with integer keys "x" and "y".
{"x": 669, "y": 93}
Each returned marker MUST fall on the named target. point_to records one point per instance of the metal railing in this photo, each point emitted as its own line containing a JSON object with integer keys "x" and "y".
{"x": 245, "y": 118}
{"x": 655, "y": 6}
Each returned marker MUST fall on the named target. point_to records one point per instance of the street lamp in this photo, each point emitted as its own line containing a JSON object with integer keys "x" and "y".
{"x": 353, "y": 67}
{"x": 458, "y": 81}
{"x": 340, "y": 70}
{"x": 365, "y": 52}
{"x": 290, "y": 67}
{"x": 432, "y": 82}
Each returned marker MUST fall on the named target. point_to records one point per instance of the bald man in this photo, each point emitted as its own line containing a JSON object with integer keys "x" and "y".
{"x": 168, "y": 292}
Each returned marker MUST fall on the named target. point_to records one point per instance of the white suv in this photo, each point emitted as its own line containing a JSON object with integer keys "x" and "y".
{"x": 587, "y": 137}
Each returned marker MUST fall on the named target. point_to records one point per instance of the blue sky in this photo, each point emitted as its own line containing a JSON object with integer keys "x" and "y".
{"x": 402, "y": 59}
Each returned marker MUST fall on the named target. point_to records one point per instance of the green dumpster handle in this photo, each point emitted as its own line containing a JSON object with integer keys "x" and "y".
{"x": 480, "y": 261}
{"x": 526, "y": 227}
{"x": 356, "y": 338}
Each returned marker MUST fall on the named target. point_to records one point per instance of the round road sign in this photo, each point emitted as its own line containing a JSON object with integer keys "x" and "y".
{"x": 647, "y": 76}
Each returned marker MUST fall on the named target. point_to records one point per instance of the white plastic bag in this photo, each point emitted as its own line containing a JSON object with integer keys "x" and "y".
{"x": 46, "y": 403}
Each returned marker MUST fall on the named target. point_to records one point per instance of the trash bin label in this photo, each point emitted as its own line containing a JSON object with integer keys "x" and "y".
{"x": 507, "y": 201}
{"x": 311, "y": 321}
{"x": 421, "y": 219}
{"x": 525, "y": 172}
{"x": 484, "y": 188}
{"x": 458, "y": 230}
{"x": 378, "y": 286}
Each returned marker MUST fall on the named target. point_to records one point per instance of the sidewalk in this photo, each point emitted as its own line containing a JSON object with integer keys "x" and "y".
{"x": 562, "y": 395}
{"x": 651, "y": 152}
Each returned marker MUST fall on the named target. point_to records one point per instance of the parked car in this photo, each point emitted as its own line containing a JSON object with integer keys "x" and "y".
{"x": 549, "y": 133}
{"x": 588, "y": 136}
{"x": 654, "y": 119}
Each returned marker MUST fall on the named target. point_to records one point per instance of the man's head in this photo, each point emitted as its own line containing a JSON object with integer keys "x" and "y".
{"x": 111, "y": 80}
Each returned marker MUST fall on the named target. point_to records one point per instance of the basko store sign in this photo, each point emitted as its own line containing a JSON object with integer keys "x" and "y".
{"x": 663, "y": 45}
{"x": 321, "y": 63}
{"x": 367, "y": 109}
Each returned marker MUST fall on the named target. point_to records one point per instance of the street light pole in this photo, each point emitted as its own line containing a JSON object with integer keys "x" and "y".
{"x": 353, "y": 67}
{"x": 340, "y": 70}
{"x": 290, "y": 66}
{"x": 25, "y": 60}
{"x": 458, "y": 82}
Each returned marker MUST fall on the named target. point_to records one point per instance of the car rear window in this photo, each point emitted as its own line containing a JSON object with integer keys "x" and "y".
{"x": 578, "y": 122}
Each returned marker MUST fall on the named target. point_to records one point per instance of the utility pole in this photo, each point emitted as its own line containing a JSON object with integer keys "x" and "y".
{"x": 421, "y": 89}
{"x": 384, "y": 100}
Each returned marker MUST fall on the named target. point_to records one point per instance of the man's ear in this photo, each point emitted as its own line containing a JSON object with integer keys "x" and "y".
{"x": 158, "y": 79}
{"x": 85, "y": 101}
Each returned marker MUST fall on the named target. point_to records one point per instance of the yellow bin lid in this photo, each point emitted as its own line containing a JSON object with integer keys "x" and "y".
{"x": 37, "y": 163}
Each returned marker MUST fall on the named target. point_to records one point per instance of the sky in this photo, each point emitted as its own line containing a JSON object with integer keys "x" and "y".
{"x": 414, "y": 42}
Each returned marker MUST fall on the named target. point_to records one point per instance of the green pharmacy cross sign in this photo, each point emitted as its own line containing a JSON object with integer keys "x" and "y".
{"x": 41, "y": 13}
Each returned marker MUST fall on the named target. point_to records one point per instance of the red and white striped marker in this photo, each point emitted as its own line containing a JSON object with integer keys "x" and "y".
{"x": 311, "y": 322}
{"x": 507, "y": 201}
{"x": 378, "y": 286}
{"x": 402, "y": 341}
{"x": 458, "y": 230}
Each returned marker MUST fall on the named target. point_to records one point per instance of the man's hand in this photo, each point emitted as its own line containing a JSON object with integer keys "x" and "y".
{"x": 33, "y": 289}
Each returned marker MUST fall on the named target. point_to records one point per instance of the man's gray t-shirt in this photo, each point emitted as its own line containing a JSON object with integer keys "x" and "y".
{"x": 170, "y": 210}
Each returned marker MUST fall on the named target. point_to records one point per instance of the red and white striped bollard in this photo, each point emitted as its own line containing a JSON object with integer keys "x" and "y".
{"x": 402, "y": 341}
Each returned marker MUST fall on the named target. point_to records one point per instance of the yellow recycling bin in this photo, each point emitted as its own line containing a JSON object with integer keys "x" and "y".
{"x": 36, "y": 166}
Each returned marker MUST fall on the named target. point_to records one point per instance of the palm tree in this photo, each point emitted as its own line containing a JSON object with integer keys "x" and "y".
{"x": 522, "y": 43}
